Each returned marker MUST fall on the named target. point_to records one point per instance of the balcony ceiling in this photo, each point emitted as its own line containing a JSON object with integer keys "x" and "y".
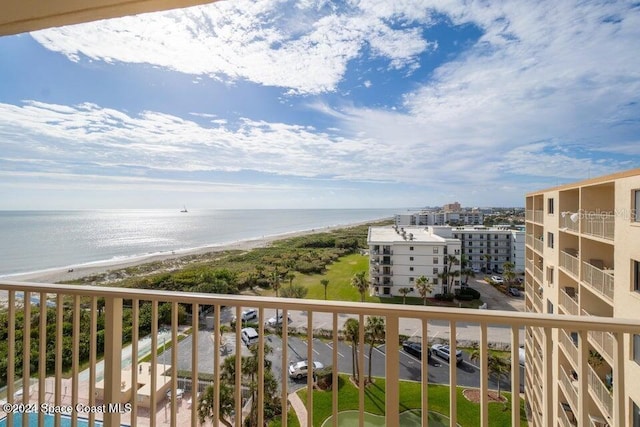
{"x": 20, "y": 16}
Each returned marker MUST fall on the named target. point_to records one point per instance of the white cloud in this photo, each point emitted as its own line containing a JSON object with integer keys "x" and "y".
{"x": 305, "y": 48}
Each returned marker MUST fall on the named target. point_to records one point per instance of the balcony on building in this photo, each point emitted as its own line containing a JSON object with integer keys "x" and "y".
{"x": 597, "y": 211}
{"x": 115, "y": 384}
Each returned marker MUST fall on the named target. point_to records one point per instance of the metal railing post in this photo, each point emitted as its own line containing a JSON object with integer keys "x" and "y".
{"x": 112, "y": 357}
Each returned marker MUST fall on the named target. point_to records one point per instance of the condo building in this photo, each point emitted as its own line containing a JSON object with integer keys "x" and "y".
{"x": 426, "y": 218}
{"x": 399, "y": 255}
{"x": 582, "y": 258}
{"x": 488, "y": 248}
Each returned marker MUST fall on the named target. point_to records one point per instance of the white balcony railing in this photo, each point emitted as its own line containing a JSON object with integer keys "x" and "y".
{"x": 599, "y": 280}
{"x": 602, "y": 341}
{"x": 570, "y": 263}
{"x": 126, "y": 310}
{"x": 569, "y": 347}
{"x": 529, "y": 265}
{"x": 600, "y": 392}
{"x": 599, "y": 225}
{"x": 570, "y": 221}
{"x": 537, "y": 302}
{"x": 568, "y": 303}
{"x": 566, "y": 420}
{"x": 538, "y": 216}
{"x": 538, "y": 245}
{"x": 570, "y": 387}
{"x": 537, "y": 274}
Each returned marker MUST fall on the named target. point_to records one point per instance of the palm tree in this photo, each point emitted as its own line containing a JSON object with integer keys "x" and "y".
{"x": 508, "y": 272}
{"x": 374, "y": 335}
{"x": 404, "y": 292}
{"x": 351, "y": 333}
{"x": 467, "y": 272}
{"x": 325, "y": 283}
{"x": 451, "y": 261}
{"x": 226, "y": 407}
{"x": 360, "y": 281}
{"x": 275, "y": 284}
{"x": 290, "y": 276}
{"x": 424, "y": 287}
{"x": 499, "y": 366}
{"x": 488, "y": 258}
{"x": 444, "y": 276}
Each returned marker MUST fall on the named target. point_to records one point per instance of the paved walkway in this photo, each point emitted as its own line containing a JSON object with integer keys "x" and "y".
{"x": 299, "y": 408}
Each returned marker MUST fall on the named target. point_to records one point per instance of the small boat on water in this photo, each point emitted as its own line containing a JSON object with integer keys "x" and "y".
{"x": 184, "y": 209}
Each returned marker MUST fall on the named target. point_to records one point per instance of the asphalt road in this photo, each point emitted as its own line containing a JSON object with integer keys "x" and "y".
{"x": 410, "y": 367}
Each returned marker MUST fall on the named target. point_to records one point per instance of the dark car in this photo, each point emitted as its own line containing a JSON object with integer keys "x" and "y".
{"x": 514, "y": 292}
{"x": 414, "y": 349}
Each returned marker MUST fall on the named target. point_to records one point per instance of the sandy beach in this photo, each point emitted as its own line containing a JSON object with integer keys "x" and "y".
{"x": 167, "y": 261}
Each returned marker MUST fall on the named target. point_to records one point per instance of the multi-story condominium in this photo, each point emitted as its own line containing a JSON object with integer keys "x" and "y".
{"x": 583, "y": 259}
{"x": 426, "y": 218}
{"x": 452, "y": 207}
{"x": 488, "y": 248}
{"x": 399, "y": 255}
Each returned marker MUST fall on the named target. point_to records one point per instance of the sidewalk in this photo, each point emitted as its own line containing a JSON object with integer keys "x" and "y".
{"x": 299, "y": 408}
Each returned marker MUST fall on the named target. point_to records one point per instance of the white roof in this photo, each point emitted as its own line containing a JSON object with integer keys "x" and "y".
{"x": 389, "y": 235}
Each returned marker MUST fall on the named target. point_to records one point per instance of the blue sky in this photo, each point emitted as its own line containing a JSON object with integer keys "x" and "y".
{"x": 308, "y": 104}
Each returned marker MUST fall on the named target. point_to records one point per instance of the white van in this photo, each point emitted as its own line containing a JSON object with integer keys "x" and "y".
{"x": 249, "y": 336}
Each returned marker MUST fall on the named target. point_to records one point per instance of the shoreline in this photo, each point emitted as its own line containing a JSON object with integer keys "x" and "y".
{"x": 73, "y": 272}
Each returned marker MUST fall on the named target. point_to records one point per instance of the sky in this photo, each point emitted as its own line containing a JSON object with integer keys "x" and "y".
{"x": 320, "y": 104}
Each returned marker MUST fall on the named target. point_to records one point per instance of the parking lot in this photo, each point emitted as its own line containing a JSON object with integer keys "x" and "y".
{"x": 410, "y": 366}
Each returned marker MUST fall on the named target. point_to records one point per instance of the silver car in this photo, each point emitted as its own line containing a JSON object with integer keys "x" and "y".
{"x": 300, "y": 369}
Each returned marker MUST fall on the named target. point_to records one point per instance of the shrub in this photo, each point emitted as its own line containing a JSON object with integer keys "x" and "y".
{"x": 464, "y": 297}
{"x": 470, "y": 291}
{"x": 324, "y": 378}
{"x": 445, "y": 297}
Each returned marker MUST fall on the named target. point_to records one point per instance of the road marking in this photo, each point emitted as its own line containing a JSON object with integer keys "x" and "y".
{"x": 330, "y": 345}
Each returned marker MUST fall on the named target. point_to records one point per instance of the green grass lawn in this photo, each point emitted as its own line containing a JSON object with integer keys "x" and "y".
{"x": 468, "y": 413}
{"x": 339, "y": 275}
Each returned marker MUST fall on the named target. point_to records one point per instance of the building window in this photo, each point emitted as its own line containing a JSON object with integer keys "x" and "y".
{"x": 410, "y": 258}
{"x": 470, "y": 251}
{"x": 435, "y": 250}
{"x": 636, "y": 206}
{"x": 636, "y": 276}
{"x": 435, "y": 259}
{"x": 411, "y": 279}
{"x": 550, "y": 275}
{"x": 636, "y": 415}
{"x": 550, "y": 240}
{"x": 410, "y": 268}
{"x": 456, "y": 251}
{"x": 636, "y": 348}
{"x": 550, "y": 206}
{"x": 549, "y": 307}
{"x": 435, "y": 270}
{"x": 410, "y": 248}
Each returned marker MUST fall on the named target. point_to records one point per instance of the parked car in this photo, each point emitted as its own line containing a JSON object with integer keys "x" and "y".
{"x": 521, "y": 355}
{"x": 273, "y": 321}
{"x": 476, "y": 270}
{"x": 179, "y": 393}
{"x": 249, "y": 336}
{"x": 497, "y": 279}
{"x": 415, "y": 349}
{"x": 248, "y": 315}
{"x": 514, "y": 291}
{"x": 300, "y": 369}
{"x": 443, "y": 352}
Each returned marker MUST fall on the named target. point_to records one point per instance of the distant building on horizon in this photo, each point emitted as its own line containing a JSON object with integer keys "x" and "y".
{"x": 442, "y": 217}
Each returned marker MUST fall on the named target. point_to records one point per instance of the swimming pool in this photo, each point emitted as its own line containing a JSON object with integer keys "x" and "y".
{"x": 65, "y": 421}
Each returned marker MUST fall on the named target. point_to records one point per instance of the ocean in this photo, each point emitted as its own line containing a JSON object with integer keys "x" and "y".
{"x": 40, "y": 240}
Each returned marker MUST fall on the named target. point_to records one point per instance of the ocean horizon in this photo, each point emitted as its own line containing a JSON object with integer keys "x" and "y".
{"x": 41, "y": 240}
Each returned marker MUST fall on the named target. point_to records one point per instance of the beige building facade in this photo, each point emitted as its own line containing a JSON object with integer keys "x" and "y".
{"x": 582, "y": 258}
